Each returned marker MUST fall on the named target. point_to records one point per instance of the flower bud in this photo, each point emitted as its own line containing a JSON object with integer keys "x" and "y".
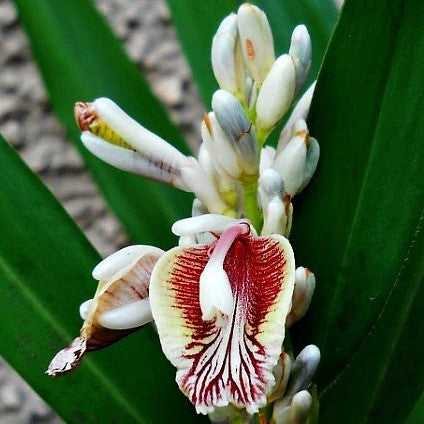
{"x": 301, "y": 53}
{"x": 220, "y": 148}
{"x": 303, "y": 370}
{"x": 277, "y": 208}
{"x": 256, "y": 41}
{"x": 299, "y": 112}
{"x": 237, "y": 127}
{"x": 290, "y": 164}
{"x": 276, "y": 93}
{"x": 304, "y": 287}
{"x": 227, "y": 57}
{"x": 267, "y": 159}
{"x": 281, "y": 373}
{"x": 300, "y": 407}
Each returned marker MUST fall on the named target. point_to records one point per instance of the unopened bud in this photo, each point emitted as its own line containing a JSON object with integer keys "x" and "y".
{"x": 300, "y": 407}
{"x": 300, "y": 111}
{"x": 220, "y": 148}
{"x": 303, "y": 370}
{"x": 227, "y": 57}
{"x": 301, "y": 53}
{"x": 281, "y": 373}
{"x": 290, "y": 164}
{"x": 256, "y": 41}
{"x": 312, "y": 157}
{"x": 304, "y": 287}
{"x": 276, "y": 93}
{"x": 237, "y": 127}
{"x": 267, "y": 159}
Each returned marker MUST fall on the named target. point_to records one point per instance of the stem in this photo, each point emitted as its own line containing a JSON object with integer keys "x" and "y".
{"x": 253, "y": 213}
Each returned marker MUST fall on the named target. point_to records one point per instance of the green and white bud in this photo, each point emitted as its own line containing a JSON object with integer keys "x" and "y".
{"x": 227, "y": 57}
{"x": 301, "y": 53}
{"x": 276, "y": 93}
{"x": 239, "y": 130}
{"x": 256, "y": 41}
{"x": 220, "y": 148}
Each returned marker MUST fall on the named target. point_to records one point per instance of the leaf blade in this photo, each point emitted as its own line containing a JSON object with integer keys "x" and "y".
{"x": 369, "y": 125}
{"x": 38, "y": 305}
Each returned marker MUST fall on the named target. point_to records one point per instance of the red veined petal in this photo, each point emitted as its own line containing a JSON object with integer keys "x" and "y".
{"x": 128, "y": 288}
{"x": 229, "y": 361}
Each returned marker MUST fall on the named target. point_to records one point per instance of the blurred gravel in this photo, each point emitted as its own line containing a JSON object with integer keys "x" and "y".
{"x": 27, "y": 121}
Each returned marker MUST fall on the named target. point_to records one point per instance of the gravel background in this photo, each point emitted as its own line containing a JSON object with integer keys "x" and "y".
{"x": 27, "y": 121}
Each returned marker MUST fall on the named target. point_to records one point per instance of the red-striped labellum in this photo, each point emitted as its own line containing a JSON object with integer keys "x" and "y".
{"x": 227, "y": 359}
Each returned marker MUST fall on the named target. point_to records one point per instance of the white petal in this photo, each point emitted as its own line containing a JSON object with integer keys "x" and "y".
{"x": 276, "y": 93}
{"x": 256, "y": 41}
{"x": 84, "y": 309}
{"x": 128, "y": 316}
{"x": 132, "y": 161}
{"x": 120, "y": 263}
{"x": 132, "y": 132}
{"x": 187, "y": 241}
{"x": 299, "y": 112}
{"x": 202, "y": 223}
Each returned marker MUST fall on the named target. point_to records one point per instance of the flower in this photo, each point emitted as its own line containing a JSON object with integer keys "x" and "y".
{"x": 224, "y": 297}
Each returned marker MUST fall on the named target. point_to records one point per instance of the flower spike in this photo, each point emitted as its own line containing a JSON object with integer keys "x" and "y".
{"x": 230, "y": 360}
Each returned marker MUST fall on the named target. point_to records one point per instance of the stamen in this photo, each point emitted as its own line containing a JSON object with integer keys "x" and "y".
{"x": 215, "y": 293}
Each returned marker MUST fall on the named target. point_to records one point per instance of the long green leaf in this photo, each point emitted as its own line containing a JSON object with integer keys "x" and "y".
{"x": 359, "y": 224}
{"x": 80, "y": 59}
{"x": 45, "y": 267}
{"x": 196, "y": 25}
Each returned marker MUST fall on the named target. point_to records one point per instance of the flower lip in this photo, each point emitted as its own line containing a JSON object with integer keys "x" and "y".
{"x": 228, "y": 360}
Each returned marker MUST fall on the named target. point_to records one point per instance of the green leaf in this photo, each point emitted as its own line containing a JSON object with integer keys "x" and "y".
{"x": 417, "y": 414}
{"x": 359, "y": 224}
{"x": 80, "y": 59}
{"x": 197, "y": 25}
{"x": 45, "y": 267}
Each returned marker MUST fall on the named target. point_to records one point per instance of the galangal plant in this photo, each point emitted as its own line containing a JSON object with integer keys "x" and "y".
{"x": 226, "y": 301}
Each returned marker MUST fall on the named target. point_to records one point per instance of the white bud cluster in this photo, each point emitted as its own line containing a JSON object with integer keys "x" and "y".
{"x": 234, "y": 174}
